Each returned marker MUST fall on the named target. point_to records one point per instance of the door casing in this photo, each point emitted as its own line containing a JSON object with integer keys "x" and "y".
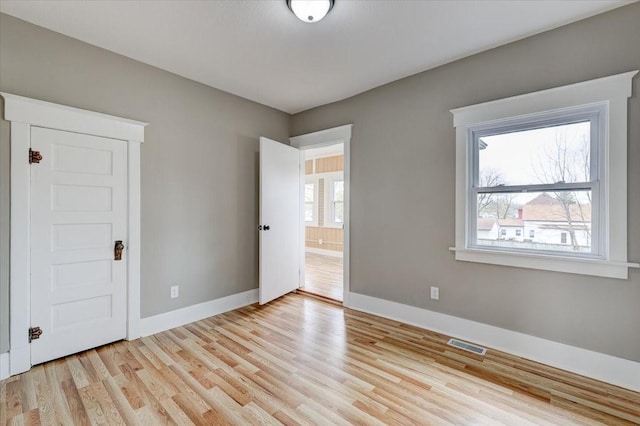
{"x": 332, "y": 136}
{"x": 24, "y": 113}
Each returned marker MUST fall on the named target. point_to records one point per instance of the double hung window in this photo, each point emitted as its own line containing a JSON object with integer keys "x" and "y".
{"x": 551, "y": 165}
{"x": 541, "y": 173}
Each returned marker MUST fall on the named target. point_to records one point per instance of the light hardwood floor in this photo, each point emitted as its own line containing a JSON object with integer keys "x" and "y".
{"x": 323, "y": 275}
{"x": 299, "y": 360}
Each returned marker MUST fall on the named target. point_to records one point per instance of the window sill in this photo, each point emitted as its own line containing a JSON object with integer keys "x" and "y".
{"x": 572, "y": 265}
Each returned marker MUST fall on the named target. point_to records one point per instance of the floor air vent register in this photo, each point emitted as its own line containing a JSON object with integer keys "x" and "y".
{"x": 469, "y": 347}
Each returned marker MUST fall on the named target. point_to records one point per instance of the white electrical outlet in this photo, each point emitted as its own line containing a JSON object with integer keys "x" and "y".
{"x": 175, "y": 291}
{"x": 320, "y": 241}
{"x": 435, "y": 293}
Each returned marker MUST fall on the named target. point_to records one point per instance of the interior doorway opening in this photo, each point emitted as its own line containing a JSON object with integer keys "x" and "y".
{"x": 324, "y": 219}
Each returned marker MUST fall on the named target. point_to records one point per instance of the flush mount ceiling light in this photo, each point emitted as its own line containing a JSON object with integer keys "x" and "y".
{"x": 310, "y": 11}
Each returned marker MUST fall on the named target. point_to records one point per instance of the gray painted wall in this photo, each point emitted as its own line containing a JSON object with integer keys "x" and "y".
{"x": 199, "y": 161}
{"x": 403, "y": 184}
{"x": 199, "y": 177}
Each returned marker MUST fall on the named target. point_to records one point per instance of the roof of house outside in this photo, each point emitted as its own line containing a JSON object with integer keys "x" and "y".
{"x": 543, "y": 199}
{"x": 545, "y": 208}
{"x": 485, "y": 223}
{"x": 511, "y": 222}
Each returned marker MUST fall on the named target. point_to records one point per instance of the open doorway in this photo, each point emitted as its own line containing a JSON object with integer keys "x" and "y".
{"x": 320, "y": 147}
{"x": 324, "y": 218}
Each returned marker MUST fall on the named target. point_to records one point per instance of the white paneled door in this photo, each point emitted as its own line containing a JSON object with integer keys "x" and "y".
{"x": 280, "y": 215}
{"x": 78, "y": 212}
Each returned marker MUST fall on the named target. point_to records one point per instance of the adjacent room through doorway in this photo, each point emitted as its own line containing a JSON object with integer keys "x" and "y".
{"x": 324, "y": 221}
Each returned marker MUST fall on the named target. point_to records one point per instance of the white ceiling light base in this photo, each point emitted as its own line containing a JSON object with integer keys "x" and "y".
{"x": 310, "y": 11}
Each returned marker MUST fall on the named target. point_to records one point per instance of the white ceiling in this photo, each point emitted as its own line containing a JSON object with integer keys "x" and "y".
{"x": 259, "y": 50}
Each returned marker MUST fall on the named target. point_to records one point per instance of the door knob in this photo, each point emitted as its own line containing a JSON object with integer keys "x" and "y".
{"x": 263, "y": 227}
{"x": 266, "y": 227}
{"x": 117, "y": 250}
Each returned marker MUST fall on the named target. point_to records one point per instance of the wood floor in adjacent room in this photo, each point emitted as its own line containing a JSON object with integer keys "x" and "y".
{"x": 299, "y": 360}
{"x": 323, "y": 275}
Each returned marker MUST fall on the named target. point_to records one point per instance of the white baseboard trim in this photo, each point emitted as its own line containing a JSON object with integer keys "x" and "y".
{"x": 4, "y": 365}
{"x": 617, "y": 371}
{"x": 179, "y": 317}
{"x": 332, "y": 253}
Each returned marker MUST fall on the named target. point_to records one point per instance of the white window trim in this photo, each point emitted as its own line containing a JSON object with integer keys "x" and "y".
{"x": 23, "y": 113}
{"x": 612, "y": 91}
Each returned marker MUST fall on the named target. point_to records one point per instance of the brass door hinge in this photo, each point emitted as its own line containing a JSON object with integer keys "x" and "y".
{"x": 34, "y": 156}
{"x": 34, "y": 333}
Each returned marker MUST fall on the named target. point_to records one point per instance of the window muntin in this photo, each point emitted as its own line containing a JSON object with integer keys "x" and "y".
{"x": 551, "y": 162}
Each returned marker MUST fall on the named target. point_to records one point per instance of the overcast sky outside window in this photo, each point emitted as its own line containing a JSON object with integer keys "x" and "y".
{"x": 527, "y": 157}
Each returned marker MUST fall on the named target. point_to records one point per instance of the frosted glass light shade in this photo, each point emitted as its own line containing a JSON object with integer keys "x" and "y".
{"x": 310, "y": 11}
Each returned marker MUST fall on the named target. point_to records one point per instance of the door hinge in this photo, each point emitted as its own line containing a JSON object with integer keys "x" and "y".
{"x": 34, "y": 156}
{"x": 34, "y": 333}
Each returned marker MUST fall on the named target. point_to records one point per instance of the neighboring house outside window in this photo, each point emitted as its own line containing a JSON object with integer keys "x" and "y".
{"x": 546, "y": 217}
{"x": 543, "y": 216}
{"x": 488, "y": 229}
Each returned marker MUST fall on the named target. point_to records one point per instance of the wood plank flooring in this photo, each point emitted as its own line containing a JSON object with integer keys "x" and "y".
{"x": 299, "y": 360}
{"x": 323, "y": 275}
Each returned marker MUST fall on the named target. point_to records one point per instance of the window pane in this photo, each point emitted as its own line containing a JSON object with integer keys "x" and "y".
{"x": 538, "y": 156}
{"x": 308, "y": 192}
{"x": 309, "y": 195}
{"x": 308, "y": 212}
{"x": 338, "y": 211}
{"x": 558, "y": 221}
{"x": 338, "y": 190}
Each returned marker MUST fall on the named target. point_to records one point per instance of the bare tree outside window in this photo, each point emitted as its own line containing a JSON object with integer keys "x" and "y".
{"x": 568, "y": 160}
{"x": 499, "y": 206}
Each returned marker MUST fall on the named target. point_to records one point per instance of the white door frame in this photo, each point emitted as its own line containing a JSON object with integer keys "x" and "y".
{"x": 335, "y": 135}
{"x": 23, "y": 113}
